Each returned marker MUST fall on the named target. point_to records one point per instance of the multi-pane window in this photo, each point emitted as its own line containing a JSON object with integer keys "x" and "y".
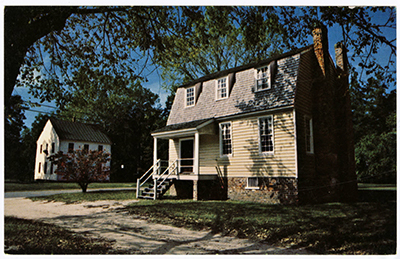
{"x": 70, "y": 147}
{"x": 252, "y": 182}
{"x": 86, "y": 147}
{"x": 222, "y": 91}
{"x": 226, "y": 138}
{"x": 266, "y": 134}
{"x": 309, "y": 136}
{"x": 190, "y": 96}
{"x": 262, "y": 79}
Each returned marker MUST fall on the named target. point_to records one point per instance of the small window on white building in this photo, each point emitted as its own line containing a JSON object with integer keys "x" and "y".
{"x": 266, "y": 134}
{"x": 40, "y": 167}
{"x": 51, "y": 168}
{"x": 53, "y": 147}
{"x": 86, "y": 147}
{"x": 225, "y": 139}
{"x": 263, "y": 79}
{"x": 252, "y": 183}
{"x": 309, "y": 136}
{"x": 222, "y": 88}
{"x": 70, "y": 147}
{"x": 45, "y": 168}
{"x": 100, "y": 148}
{"x": 189, "y": 96}
{"x": 41, "y": 148}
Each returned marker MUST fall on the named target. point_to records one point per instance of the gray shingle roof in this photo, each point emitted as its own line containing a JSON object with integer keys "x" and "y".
{"x": 185, "y": 125}
{"x": 69, "y": 130}
{"x": 243, "y": 97}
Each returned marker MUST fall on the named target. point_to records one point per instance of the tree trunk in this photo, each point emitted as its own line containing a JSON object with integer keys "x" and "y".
{"x": 83, "y": 187}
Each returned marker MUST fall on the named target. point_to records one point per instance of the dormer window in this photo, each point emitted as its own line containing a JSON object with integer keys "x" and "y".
{"x": 263, "y": 78}
{"x": 222, "y": 88}
{"x": 189, "y": 96}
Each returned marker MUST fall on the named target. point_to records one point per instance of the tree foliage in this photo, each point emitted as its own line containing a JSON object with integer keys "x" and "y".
{"x": 374, "y": 116}
{"x": 82, "y": 166}
{"x": 216, "y": 39}
{"x": 14, "y": 124}
{"x": 127, "y": 112}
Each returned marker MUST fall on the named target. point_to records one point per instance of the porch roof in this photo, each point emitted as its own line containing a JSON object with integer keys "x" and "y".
{"x": 181, "y": 128}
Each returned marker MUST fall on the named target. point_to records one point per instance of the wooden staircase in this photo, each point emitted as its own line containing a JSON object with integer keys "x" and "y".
{"x": 154, "y": 184}
{"x": 162, "y": 188}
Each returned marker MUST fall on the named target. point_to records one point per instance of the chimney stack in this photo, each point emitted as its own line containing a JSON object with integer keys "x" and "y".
{"x": 341, "y": 57}
{"x": 320, "y": 37}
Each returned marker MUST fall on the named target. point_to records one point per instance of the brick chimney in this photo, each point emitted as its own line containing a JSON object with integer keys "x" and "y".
{"x": 320, "y": 37}
{"x": 341, "y": 57}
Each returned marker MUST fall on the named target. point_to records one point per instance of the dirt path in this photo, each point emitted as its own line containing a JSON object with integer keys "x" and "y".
{"x": 137, "y": 236}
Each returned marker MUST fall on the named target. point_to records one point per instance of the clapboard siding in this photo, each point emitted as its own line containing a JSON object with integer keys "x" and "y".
{"x": 209, "y": 153}
{"x": 246, "y": 159}
{"x": 173, "y": 152}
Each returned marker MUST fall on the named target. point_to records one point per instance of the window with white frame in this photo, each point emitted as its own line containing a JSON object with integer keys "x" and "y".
{"x": 263, "y": 81}
{"x": 309, "y": 136}
{"x": 222, "y": 88}
{"x": 252, "y": 183}
{"x": 225, "y": 138}
{"x": 189, "y": 96}
{"x": 266, "y": 134}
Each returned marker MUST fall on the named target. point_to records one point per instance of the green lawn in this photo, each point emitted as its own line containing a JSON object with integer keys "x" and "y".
{"x": 336, "y": 228}
{"x": 40, "y": 186}
{"x": 367, "y": 227}
{"x": 31, "y": 237}
{"x": 89, "y": 196}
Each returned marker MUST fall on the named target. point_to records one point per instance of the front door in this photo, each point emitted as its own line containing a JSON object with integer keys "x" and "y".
{"x": 186, "y": 156}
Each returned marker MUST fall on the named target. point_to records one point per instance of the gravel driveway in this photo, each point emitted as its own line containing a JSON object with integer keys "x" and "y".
{"x": 131, "y": 233}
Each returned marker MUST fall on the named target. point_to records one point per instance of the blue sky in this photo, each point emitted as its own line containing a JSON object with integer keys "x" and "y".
{"x": 154, "y": 80}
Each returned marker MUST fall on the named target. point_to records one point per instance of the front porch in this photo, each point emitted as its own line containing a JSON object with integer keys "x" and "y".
{"x": 183, "y": 166}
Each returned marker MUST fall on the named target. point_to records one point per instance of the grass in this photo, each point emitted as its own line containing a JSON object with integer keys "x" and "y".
{"x": 362, "y": 228}
{"x": 336, "y": 228}
{"x": 31, "y": 237}
{"x": 40, "y": 186}
{"x": 89, "y": 196}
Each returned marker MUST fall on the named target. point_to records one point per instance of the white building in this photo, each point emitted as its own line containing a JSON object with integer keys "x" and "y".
{"x": 59, "y": 135}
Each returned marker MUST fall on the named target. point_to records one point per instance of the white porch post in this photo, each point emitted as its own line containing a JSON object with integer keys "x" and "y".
{"x": 155, "y": 151}
{"x": 196, "y": 152}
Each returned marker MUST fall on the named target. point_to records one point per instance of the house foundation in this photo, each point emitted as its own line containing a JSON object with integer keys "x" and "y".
{"x": 271, "y": 190}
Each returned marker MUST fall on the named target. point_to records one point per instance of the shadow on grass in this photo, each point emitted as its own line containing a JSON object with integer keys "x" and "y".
{"x": 335, "y": 228}
{"x": 23, "y": 236}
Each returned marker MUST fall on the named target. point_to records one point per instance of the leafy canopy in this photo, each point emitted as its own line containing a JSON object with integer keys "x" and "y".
{"x": 82, "y": 166}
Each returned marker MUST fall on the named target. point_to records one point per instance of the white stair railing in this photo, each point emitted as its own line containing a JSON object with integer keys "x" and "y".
{"x": 155, "y": 170}
{"x": 140, "y": 183}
